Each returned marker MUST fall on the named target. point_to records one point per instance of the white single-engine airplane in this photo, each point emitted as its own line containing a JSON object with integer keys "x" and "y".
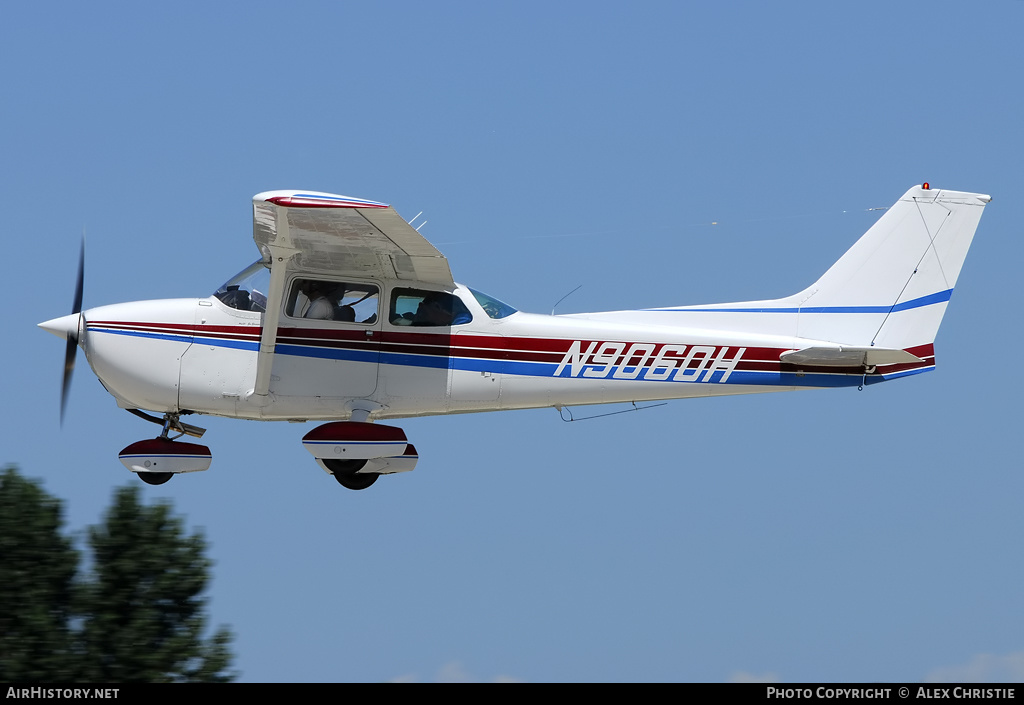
{"x": 350, "y": 316}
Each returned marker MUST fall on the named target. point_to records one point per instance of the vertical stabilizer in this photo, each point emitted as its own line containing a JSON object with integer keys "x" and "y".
{"x": 894, "y": 283}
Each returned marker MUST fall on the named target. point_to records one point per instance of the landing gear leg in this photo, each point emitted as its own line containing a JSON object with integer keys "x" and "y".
{"x": 170, "y": 422}
{"x": 159, "y": 478}
{"x": 346, "y": 472}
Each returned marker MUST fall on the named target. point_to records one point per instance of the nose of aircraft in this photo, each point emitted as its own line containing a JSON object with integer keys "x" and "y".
{"x": 62, "y": 327}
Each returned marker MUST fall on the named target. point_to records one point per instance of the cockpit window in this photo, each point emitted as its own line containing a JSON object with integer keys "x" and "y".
{"x": 491, "y": 306}
{"x": 416, "y": 307}
{"x": 333, "y": 301}
{"x": 247, "y": 290}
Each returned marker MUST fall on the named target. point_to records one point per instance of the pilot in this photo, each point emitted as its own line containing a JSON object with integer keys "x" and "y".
{"x": 320, "y": 307}
{"x": 432, "y": 312}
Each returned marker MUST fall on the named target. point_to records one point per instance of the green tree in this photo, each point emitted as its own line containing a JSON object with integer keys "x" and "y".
{"x": 143, "y": 607}
{"x": 37, "y": 584}
{"x": 138, "y": 616}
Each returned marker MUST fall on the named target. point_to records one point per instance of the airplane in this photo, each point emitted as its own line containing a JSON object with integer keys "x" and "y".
{"x": 351, "y": 317}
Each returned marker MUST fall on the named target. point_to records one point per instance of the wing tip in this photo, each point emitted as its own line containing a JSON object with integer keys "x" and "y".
{"x": 314, "y": 199}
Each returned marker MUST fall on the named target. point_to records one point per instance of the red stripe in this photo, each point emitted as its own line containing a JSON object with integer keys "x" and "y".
{"x": 497, "y": 348}
{"x": 313, "y": 202}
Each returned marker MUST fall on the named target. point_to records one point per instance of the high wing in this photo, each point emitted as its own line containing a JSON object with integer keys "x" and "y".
{"x": 329, "y": 234}
{"x": 347, "y": 236}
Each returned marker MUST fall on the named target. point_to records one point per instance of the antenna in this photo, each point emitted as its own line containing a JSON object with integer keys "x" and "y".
{"x": 417, "y": 227}
{"x": 563, "y": 299}
{"x": 563, "y": 409}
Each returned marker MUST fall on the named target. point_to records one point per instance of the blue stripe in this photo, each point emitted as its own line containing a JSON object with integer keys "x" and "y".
{"x": 341, "y": 199}
{"x": 906, "y": 373}
{"x": 736, "y": 377}
{"x": 547, "y": 369}
{"x": 222, "y": 343}
{"x": 327, "y": 353}
{"x": 936, "y": 298}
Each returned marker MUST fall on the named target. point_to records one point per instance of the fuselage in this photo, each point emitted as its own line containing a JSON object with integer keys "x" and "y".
{"x": 201, "y": 355}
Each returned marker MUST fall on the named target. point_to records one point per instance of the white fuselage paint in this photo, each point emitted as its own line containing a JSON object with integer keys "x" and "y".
{"x": 200, "y": 355}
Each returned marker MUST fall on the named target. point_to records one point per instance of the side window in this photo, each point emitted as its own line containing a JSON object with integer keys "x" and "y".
{"x": 333, "y": 301}
{"x": 415, "y": 307}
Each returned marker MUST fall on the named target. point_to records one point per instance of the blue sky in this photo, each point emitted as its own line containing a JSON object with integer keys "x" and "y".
{"x": 828, "y": 535}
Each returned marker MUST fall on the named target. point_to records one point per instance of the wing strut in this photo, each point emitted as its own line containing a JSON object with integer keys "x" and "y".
{"x": 279, "y": 258}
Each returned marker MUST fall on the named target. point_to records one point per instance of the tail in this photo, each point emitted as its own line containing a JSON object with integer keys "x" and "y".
{"x": 880, "y": 305}
{"x": 896, "y": 280}
{"x": 888, "y": 291}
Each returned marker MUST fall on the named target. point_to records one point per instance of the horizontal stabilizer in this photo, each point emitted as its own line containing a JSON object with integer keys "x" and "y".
{"x": 845, "y": 356}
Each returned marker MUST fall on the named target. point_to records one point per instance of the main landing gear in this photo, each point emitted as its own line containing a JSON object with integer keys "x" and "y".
{"x": 358, "y": 452}
{"x": 155, "y": 478}
{"x": 346, "y": 472}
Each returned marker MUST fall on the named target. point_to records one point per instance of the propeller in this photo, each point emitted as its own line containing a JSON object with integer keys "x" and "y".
{"x": 70, "y": 351}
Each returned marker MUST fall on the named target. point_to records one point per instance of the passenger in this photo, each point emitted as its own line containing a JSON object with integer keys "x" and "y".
{"x": 345, "y": 313}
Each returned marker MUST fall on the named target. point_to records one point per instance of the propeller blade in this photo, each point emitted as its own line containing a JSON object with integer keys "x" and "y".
{"x": 77, "y": 306}
{"x": 70, "y": 351}
{"x": 69, "y": 368}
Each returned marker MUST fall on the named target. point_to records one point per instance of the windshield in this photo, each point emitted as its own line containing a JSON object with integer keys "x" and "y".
{"x": 247, "y": 290}
{"x": 491, "y": 306}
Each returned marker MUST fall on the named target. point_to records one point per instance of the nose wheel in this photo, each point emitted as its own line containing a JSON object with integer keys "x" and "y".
{"x": 157, "y": 460}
